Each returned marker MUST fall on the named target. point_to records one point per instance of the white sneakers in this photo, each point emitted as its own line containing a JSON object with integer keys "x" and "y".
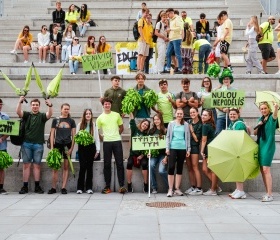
{"x": 170, "y": 193}
{"x": 109, "y": 72}
{"x": 178, "y": 192}
{"x": 89, "y": 191}
{"x": 196, "y": 191}
{"x": 189, "y": 190}
{"x": 25, "y": 61}
{"x": 267, "y": 198}
{"x": 210, "y": 193}
{"x": 239, "y": 194}
{"x": 79, "y": 192}
{"x": 278, "y": 72}
{"x": 13, "y": 52}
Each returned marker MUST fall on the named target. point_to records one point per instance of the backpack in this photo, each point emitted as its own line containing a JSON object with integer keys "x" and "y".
{"x": 135, "y": 32}
{"x": 155, "y": 37}
{"x": 52, "y": 57}
{"x": 18, "y": 140}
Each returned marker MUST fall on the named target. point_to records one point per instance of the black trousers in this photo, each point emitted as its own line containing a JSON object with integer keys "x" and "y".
{"x": 115, "y": 148}
{"x": 86, "y": 158}
{"x": 176, "y": 156}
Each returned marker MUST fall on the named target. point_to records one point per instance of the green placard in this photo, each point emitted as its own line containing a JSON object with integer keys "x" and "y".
{"x": 227, "y": 98}
{"x": 97, "y": 61}
{"x": 9, "y": 127}
{"x": 148, "y": 142}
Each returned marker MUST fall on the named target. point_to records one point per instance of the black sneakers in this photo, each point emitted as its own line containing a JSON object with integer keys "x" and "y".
{"x": 52, "y": 191}
{"x": 23, "y": 190}
{"x": 63, "y": 191}
{"x": 39, "y": 190}
{"x": 129, "y": 188}
{"x": 3, "y": 191}
{"x": 146, "y": 188}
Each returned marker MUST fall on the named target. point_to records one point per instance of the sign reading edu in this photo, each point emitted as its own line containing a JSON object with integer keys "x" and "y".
{"x": 97, "y": 61}
{"x": 148, "y": 142}
{"x": 9, "y": 127}
{"x": 227, "y": 98}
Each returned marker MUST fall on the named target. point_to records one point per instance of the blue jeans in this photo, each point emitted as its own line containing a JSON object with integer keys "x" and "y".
{"x": 221, "y": 124}
{"x": 162, "y": 169}
{"x": 174, "y": 46}
{"x": 204, "y": 51}
{"x": 73, "y": 66}
{"x": 207, "y": 37}
{"x": 64, "y": 51}
{"x": 32, "y": 151}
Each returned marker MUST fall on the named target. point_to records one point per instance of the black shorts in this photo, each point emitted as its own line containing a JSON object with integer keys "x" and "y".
{"x": 194, "y": 149}
{"x": 206, "y": 152}
{"x": 61, "y": 149}
{"x": 224, "y": 46}
{"x": 267, "y": 51}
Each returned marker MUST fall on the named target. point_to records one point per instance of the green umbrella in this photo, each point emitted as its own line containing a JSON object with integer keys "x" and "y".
{"x": 233, "y": 156}
{"x": 18, "y": 91}
{"x": 69, "y": 160}
{"x": 39, "y": 82}
{"x": 54, "y": 85}
{"x": 27, "y": 82}
{"x": 269, "y": 97}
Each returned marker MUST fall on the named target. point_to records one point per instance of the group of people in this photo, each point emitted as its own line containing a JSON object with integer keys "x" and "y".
{"x": 62, "y": 37}
{"x": 177, "y": 41}
{"x": 187, "y": 138}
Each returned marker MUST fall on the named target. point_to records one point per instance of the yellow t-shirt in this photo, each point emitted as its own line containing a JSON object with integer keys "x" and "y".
{"x": 176, "y": 28}
{"x": 278, "y": 37}
{"x": 90, "y": 50}
{"x": 72, "y": 17}
{"x": 198, "y": 43}
{"x": 150, "y": 30}
{"x": 109, "y": 123}
{"x": 187, "y": 20}
{"x": 268, "y": 36}
{"x": 203, "y": 27}
{"x": 26, "y": 41}
{"x": 145, "y": 29}
{"x": 86, "y": 18}
{"x": 227, "y": 24}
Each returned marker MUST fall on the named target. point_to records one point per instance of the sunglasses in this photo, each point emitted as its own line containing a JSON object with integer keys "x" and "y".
{"x": 45, "y": 28}
{"x": 76, "y": 39}
{"x": 202, "y": 18}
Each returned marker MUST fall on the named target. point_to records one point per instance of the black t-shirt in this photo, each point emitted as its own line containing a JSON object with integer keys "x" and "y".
{"x": 63, "y": 129}
{"x": 188, "y": 95}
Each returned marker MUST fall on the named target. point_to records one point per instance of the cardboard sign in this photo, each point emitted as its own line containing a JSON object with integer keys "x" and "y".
{"x": 126, "y": 58}
{"x": 97, "y": 61}
{"x": 148, "y": 142}
{"x": 227, "y": 98}
{"x": 9, "y": 127}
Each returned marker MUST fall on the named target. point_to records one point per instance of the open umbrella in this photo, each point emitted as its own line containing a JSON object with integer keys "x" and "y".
{"x": 39, "y": 82}
{"x": 269, "y": 97}
{"x": 54, "y": 85}
{"x": 18, "y": 91}
{"x": 233, "y": 156}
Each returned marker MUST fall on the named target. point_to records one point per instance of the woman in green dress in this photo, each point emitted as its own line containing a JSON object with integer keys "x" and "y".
{"x": 265, "y": 131}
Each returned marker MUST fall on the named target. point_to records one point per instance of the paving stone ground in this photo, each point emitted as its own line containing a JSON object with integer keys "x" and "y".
{"x": 120, "y": 217}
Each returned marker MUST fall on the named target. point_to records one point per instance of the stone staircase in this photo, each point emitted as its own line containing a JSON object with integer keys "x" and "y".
{"x": 115, "y": 20}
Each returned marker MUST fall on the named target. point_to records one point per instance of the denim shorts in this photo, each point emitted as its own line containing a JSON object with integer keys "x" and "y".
{"x": 32, "y": 152}
{"x": 278, "y": 44}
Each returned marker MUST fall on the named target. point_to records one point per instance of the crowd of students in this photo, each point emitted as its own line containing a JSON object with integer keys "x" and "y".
{"x": 187, "y": 138}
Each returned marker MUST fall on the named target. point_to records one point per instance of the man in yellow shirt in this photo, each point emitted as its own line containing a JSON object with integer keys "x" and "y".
{"x": 175, "y": 40}
{"x": 265, "y": 45}
{"x": 226, "y": 38}
{"x": 204, "y": 48}
{"x": 143, "y": 41}
{"x": 187, "y": 20}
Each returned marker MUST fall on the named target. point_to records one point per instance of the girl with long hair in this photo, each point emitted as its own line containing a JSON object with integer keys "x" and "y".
{"x": 68, "y": 36}
{"x": 158, "y": 156}
{"x": 89, "y": 49}
{"x": 23, "y": 42}
{"x": 72, "y": 16}
{"x": 75, "y": 53}
{"x": 178, "y": 148}
{"x": 43, "y": 43}
{"x": 137, "y": 158}
{"x": 62, "y": 133}
{"x": 208, "y": 134}
{"x": 103, "y": 47}
{"x": 265, "y": 131}
{"x": 87, "y": 154}
{"x": 192, "y": 163}
{"x": 84, "y": 19}
{"x": 252, "y": 30}
{"x": 186, "y": 50}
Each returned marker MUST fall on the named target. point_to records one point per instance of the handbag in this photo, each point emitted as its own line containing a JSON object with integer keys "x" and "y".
{"x": 92, "y": 23}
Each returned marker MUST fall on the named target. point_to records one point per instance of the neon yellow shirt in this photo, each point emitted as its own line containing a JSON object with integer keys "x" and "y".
{"x": 198, "y": 43}
{"x": 109, "y": 123}
{"x": 165, "y": 106}
{"x": 268, "y": 36}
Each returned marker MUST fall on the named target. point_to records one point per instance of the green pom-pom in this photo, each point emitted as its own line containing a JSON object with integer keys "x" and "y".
{"x": 150, "y": 98}
{"x": 84, "y": 138}
{"x": 214, "y": 70}
{"x": 54, "y": 159}
{"x": 5, "y": 160}
{"x": 131, "y": 101}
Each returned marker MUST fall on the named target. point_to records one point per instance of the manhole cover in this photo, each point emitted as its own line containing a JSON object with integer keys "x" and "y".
{"x": 166, "y": 204}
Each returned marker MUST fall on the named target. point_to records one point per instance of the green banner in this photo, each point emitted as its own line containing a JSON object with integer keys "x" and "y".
{"x": 148, "y": 142}
{"x": 97, "y": 61}
{"x": 9, "y": 127}
{"x": 227, "y": 98}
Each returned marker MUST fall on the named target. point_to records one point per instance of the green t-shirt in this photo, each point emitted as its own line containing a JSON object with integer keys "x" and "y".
{"x": 238, "y": 125}
{"x": 165, "y": 106}
{"x": 209, "y": 131}
{"x": 143, "y": 111}
{"x": 117, "y": 95}
{"x": 110, "y": 126}
{"x": 268, "y": 36}
{"x": 35, "y": 127}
